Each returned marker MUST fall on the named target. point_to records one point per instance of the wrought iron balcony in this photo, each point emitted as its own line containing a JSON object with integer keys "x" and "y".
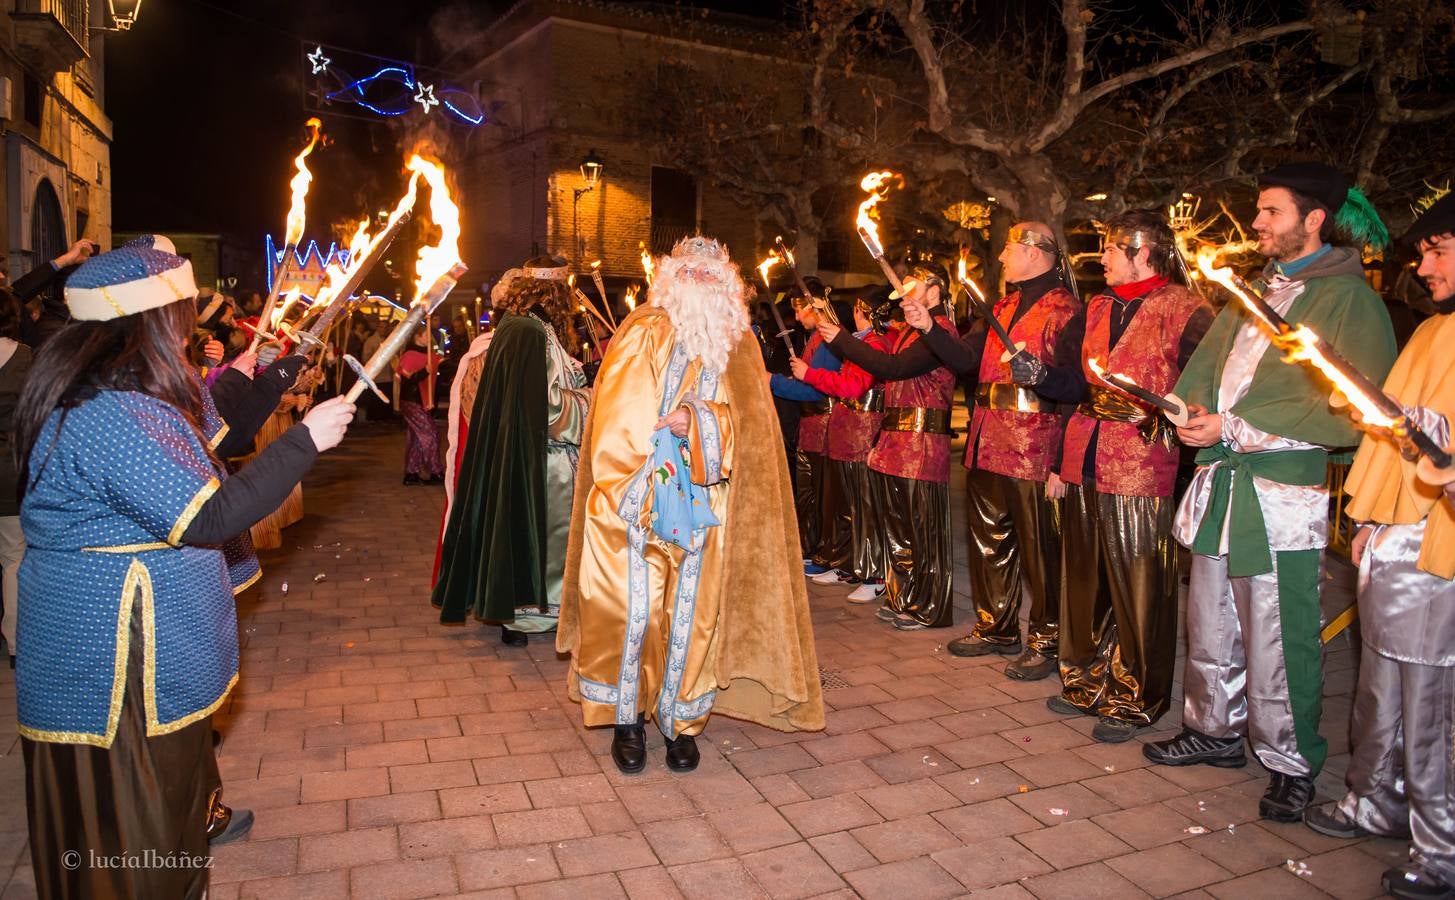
{"x": 51, "y": 35}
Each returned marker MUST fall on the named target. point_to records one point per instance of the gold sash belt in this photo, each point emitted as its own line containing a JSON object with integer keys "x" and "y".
{"x": 916, "y": 419}
{"x": 816, "y": 407}
{"x": 872, "y": 401}
{"x": 1108, "y": 405}
{"x": 1003, "y": 395}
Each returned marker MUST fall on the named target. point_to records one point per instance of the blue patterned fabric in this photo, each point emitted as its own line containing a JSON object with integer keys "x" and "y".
{"x": 243, "y": 568}
{"x": 113, "y": 489}
{"x": 128, "y": 263}
{"x": 681, "y": 514}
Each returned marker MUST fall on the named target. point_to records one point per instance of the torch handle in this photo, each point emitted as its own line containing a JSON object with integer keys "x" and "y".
{"x": 783, "y": 331}
{"x": 987, "y": 312}
{"x": 889, "y": 273}
{"x": 600, "y": 283}
{"x": 1136, "y": 390}
{"x": 278, "y": 275}
{"x": 356, "y": 277}
{"x": 392, "y": 347}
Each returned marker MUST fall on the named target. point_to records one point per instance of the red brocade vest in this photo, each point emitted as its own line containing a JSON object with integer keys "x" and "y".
{"x": 1146, "y": 353}
{"x": 1006, "y": 441}
{"x": 912, "y": 454}
{"x": 853, "y": 431}
{"x": 813, "y": 430}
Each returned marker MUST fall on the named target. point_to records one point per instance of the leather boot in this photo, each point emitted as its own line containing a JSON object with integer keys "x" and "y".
{"x": 682, "y": 755}
{"x": 1031, "y": 665}
{"x": 629, "y": 747}
{"x": 511, "y": 638}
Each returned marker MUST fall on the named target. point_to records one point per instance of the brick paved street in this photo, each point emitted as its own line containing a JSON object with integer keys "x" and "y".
{"x": 388, "y": 756}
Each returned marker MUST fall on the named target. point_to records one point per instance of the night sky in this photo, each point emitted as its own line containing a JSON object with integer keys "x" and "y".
{"x": 207, "y": 106}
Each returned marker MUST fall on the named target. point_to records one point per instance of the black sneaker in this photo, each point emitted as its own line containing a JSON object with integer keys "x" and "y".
{"x": 1411, "y": 882}
{"x": 1057, "y": 703}
{"x": 1191, "y": 748}
{"x": 1114, "y": 731}
{"x": 1287, "y": 797}
{"x": 1331, "y": 821}
{"x": 973, "y": 644}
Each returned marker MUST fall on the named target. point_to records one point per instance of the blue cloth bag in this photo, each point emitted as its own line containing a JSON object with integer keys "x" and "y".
{"x": 681, "y": 513}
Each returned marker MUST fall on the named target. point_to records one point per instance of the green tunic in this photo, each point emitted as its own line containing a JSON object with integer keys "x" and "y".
{"x": 505, "y": 543}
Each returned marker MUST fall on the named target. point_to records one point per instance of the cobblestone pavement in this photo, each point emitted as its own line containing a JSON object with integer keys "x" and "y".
{"x": 389, "y": 756}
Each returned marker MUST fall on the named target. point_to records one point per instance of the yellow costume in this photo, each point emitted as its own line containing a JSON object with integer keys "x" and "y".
{"x": 659, "y": 630}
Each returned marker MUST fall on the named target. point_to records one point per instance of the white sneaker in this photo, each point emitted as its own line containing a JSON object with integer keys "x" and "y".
{"x": 866, "y": 593}
{"x": 829, "y": 577}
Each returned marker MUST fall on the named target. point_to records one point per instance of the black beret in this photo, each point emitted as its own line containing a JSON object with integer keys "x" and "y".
{"x": 1437, "y": 220}
{"x": 1326, "y": 184}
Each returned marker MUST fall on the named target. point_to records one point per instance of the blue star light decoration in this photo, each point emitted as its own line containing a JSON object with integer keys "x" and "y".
{"x": 390, "y": 89}
{"x": 319, "y": 61}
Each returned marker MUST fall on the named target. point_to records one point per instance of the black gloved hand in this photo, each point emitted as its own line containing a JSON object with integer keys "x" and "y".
{"x": 1026, "y": 370}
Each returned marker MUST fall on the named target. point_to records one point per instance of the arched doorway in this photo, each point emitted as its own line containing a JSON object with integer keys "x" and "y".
{"x": 47, "y": 227}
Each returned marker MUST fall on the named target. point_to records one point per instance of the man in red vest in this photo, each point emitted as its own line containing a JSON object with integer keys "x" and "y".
{"x": 1118, "y": 636}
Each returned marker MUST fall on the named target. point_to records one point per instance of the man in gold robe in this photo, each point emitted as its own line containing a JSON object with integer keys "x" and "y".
{"x": 684, "y": 593}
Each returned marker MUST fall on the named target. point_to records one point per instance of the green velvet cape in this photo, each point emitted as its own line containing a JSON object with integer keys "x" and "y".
{"x": 493, "y": 559}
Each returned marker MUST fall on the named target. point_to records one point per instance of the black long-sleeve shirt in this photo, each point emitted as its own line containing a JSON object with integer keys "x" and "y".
{"x": 246, "y": 403}
{"x": 256, "y": 490}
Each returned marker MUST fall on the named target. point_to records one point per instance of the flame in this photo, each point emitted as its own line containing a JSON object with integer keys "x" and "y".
{"x": 631, "y": 298}
{"x": 1112, "y": 378}
{"x": 596, "y": 265}
{"x": 299, "y": 186}
{"x": 437, "y": 261}
{"x": 766, "y": 265}
{"x": 361, "y": 246}
{"x": 280, "y": 312}
{"x": 1228, "y": 279}
{"x": 1303, "y": 345}
{"x": 964, "y": 275}
{"x": 647, "y": 265}
{"x": 874, "y": 184}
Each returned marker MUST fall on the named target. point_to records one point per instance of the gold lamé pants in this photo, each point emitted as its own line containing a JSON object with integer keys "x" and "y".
{"x": 836, "y": 545}
{"x": 917, "y": 558}
{"x": 1118, "y": 603}
{"x": 1015, "y": 539}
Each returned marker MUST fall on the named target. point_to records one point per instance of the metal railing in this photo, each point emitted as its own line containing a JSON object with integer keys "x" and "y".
{"x": 666, "y": 234}
{"x": 74, "y": 15}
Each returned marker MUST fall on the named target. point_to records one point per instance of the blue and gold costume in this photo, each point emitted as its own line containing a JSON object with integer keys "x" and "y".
{"x": 104, "y": 537}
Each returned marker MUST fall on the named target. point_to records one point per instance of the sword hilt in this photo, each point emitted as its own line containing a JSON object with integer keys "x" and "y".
{"x": 364, "y": 378}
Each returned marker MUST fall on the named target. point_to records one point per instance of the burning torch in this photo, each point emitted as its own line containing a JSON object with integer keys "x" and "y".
{"x": 987, "y": 312}
{"x": 296, "y": 213}
{"x": 783, "y": 331}
{"x": 1172, "y": 406}
{"x": 821, "y": 304}
{"x": 600, "y": 283}
{"x": 1301, "y": 344}
{"x": 438, "y": 269}
{"x": 875, "y": 184}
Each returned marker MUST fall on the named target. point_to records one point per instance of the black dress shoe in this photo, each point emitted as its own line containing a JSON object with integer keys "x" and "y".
{"x": 973, "y": 644}
{"x": 682, "y": 755}
{"x": 629, "y": 748}
{"x": 1191, "y": 748}
{"x": 1031, "y": 665}
{"x": 411, "y": 479}
{"x": 227, "y": 825}
{"x": 1412, "y": 882}
{"x": 511, "y": 638}
{"x": 1286, "y": 798}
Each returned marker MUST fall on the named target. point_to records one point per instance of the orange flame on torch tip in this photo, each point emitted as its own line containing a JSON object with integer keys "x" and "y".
{"x": 631, "y": 298}
{"x": 965, "y": 279}
{"x": 1303, "y": 345}
{"x": 596, "y": 264}
{"x": 1095, "y": 366}
{"x": 362, "y": 245}
{"x": 299, "y": 186}
{"x": 1226, "y": 277}
{"x": 436, "y": 262}
{"x": 874, "y": 184}
{"x": 767, "y": 265}
{"x": 648, "y": 266}
{"x": 280, "y": 312}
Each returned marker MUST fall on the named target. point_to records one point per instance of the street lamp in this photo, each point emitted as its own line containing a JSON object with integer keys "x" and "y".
{"x": 591, "y": 168}
{"x": 123, "y": 14}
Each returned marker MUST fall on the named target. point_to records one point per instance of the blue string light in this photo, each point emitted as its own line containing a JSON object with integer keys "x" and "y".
{"x": 455, "y": 102}
{"x": 274, "y": 255}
